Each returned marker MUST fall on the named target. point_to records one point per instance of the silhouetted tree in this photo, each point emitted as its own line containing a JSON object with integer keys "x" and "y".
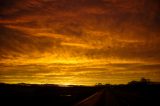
{"x": 143, "y": 81}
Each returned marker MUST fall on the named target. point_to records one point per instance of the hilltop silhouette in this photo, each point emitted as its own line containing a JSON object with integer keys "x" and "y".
{"x": 135, "y": 93}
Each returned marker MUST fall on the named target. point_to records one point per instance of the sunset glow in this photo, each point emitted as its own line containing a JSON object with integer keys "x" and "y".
{"x": 79, "y": 41}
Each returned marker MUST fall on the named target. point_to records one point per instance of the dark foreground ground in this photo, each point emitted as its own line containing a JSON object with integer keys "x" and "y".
{"x": 43, "y": 95}
{"x": 52, "y": 95}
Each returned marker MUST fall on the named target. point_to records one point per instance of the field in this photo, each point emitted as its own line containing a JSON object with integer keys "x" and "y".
{"x": 102, "y": 95}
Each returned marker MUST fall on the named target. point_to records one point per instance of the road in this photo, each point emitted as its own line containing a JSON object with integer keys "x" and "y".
{"x": 104, "y": 97}
{"x": 92, "y": 100}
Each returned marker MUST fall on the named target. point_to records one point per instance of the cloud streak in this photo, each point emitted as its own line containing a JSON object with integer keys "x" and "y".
{"x": 78, "y": 32}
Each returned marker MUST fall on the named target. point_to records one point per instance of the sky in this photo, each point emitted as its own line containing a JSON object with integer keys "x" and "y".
{"x": 79, "y": 41}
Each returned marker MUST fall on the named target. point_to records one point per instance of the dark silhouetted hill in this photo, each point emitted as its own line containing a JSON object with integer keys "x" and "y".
{"x": 135, "y": 93}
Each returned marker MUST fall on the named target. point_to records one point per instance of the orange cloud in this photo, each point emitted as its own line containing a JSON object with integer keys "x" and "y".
{"x": 78, "y": 33}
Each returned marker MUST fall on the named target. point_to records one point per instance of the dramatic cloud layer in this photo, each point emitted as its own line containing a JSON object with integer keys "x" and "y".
{"x": 79, "y": 41}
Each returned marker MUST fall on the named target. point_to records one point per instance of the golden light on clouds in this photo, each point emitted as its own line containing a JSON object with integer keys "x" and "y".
{"x": 79, "y": 41}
